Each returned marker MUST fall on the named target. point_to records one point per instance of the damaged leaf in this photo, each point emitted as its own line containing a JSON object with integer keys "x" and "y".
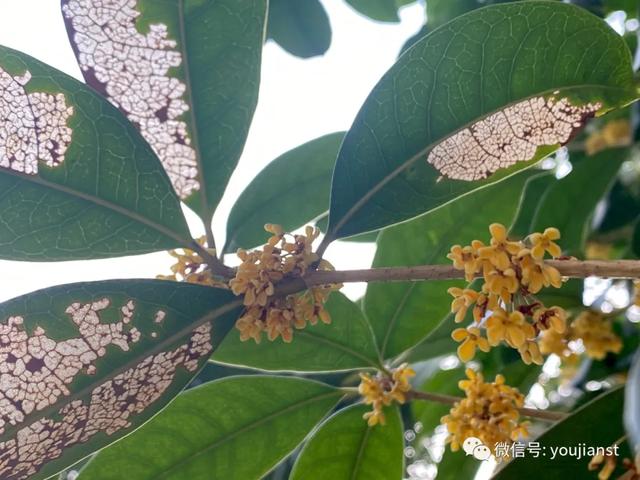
{"x": 186, "y": 73}
{"x": 77, "y": 180}
{"x": 479, "y": 98}
{"x": 82, "y": 365}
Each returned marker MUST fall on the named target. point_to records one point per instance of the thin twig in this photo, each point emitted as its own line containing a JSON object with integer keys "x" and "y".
{"x": 214, "y": 263}
{"x": 450, "y": 400}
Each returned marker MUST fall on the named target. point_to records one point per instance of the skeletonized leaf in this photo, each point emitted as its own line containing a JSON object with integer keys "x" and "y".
{"x": 347, "y": 343}
{"x": 82, "y": 365}
{"x": 346, "y": 448}
{"x": 485, "y": 95}
{"x": 77, "y": 180}
{"x": 290, "y": 191}
{"x": 186, "y": 73}
{"x": 237, "y": 428}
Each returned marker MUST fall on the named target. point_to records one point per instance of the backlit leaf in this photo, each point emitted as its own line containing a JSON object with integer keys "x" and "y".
{"x": 381, "y": 10}
{"x": 347, "y": 343}
{"x": 346, "y": 448}
{"x": 477, "y": 99}
{"x": 188, "y": 79}
{"x": 291, "y": 191}
{"x": 301, "y": 27}
{"x": 77, "y": 180}
{"x": 85, "y": 364}
{"x": 237, "y": 428}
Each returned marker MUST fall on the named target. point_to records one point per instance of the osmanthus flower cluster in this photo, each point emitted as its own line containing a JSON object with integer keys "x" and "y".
{"x": 489, "y": 411}
{"x": 607, "y": 464}
{"x": 190, "y": 267}
{"x": 383, "y": 389}
{"x": 513, "y": 272}
{"x": 590, "y": 329}
{"x": 283, "y": 256}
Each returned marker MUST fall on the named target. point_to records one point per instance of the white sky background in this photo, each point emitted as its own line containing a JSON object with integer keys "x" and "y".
{"x": 299, "y": 101}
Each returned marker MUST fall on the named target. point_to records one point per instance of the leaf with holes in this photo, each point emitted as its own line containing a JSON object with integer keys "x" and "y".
{"x": 301, "y": 27}
{"x": 237, "y": 428}
{"x": 188, "y": 79}
{"x": 291, "y": 191}
{"x": 403, "y": 313}
{"x": 345, "y": 344}
{"x": 477, "y": 99}
{"x": 77, "y": 180}
{"x": 86, "y": 364}
{"x": 346, "y": 448}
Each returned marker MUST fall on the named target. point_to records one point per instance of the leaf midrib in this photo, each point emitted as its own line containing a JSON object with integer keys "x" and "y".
{"x": 12, "y": 431}
{"x": 423, "y": 152}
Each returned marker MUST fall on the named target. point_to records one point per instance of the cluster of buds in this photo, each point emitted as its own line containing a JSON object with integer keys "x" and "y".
{"x": 284, "y": 256}
{"x": 489, "y": 412}
{"x": 513, "y": 272}
{"x": 590, "y": 329}
{"x": 190, "y": 267}
{"x": 382, "y": 390}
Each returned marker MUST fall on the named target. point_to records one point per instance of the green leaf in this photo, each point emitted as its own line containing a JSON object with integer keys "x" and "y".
{"x": 89, "y": 363}
{"x": 569, "y": 206}
{"x": 301, "y": 27}
{"x": 534, "y": 190}
{"x": 346, "y": 448}
{"x": 290, "y": 191}
{"x": 457, "y": 465}
{"x": 381, "y": 10}
{"x": 460, "y": 78}
{"x": 369, "y": 237}
{"x": 597, "y": 424}
{"x": 95, "y": 191}
{"x": 403, "y": 313}
{"x": 235, "y": 428}
{"x": 208, "y": 58}
{"x": 347, "y": 343}
{"x": 440, "y": 12}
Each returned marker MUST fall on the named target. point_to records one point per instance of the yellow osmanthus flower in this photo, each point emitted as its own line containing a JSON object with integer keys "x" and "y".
{"x": 283, "y": 256}
{"x": 513, "y": 271}
{"x": 489, "y": 412}
{"x": 590, "y": 328}
{"x": 510, "y": 327}
{"x": 544, "y": 242}
{"x": 499, "y": 252}
{"x": 636, "y": 293}
{"x": 190, "y": 267}
{"x": 554, "y": 318}
{"x": 463, "y": 299}
{"x": 471, "y": 339}
{"x": 382, "y": 390}
{"x": 596, "y": 333}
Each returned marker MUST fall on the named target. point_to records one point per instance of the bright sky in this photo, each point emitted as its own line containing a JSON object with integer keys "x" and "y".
{"x": 299, "y": 100}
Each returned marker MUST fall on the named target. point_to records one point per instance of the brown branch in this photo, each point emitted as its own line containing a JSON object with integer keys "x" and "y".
{"x": 450, "y": 400}
{"x": 567, "y": 268}
{"x": 215, "y": 264}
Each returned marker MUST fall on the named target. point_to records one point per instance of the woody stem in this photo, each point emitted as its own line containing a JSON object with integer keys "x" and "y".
{"x": 567, "y": 268}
